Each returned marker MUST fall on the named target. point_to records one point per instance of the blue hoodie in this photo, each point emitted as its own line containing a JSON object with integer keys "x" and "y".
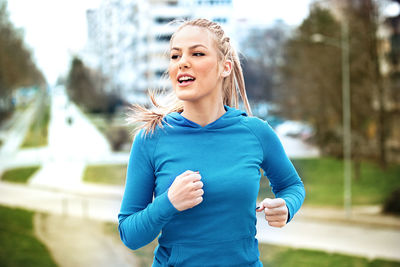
{"x": 228, "y": 153}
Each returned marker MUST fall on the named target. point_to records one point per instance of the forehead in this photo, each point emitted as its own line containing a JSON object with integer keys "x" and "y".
{"x": 192, "y": 35}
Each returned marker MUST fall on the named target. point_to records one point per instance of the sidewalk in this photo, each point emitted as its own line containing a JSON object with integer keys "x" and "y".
{"x": 327, "y": 233}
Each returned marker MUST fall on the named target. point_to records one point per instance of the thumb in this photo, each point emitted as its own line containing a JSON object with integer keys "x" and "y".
{"x": 263, "y": 205}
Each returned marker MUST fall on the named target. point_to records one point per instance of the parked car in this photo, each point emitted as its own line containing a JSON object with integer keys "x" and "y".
{"x": 295, "y": 129}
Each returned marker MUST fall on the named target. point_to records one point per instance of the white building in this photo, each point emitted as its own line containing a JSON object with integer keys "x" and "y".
{"x": 129, "y": 39}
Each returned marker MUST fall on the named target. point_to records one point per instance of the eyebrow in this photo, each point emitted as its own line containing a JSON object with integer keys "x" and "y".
{"x": 190, "y": 48}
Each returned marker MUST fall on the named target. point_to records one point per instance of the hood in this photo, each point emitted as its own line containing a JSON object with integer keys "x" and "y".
{"x": 230, "y": 117}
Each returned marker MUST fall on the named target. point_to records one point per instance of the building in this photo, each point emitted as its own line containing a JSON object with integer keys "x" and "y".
{"x": 128, "y": 40}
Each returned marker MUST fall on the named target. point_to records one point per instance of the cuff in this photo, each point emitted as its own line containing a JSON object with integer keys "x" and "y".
{"x": 164, "y": 206}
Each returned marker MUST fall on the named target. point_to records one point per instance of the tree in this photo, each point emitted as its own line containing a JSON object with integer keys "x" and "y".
{"x": 311, "y": 88}
{"x": 312, "y": 75}
{"x": 85, "y": 88}
{"x": 262, "y": 49}
{"x": 17, "y": 68}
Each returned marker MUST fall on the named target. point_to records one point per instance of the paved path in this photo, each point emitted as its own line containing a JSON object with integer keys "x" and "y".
{"x": 81, "y": 242}
{"x": 360, "y": 240}
{"x": 102, "y": 203}
{"x": 71, "y": 145}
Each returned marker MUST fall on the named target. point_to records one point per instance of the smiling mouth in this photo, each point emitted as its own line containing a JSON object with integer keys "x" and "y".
{"x": 186, "y": 80}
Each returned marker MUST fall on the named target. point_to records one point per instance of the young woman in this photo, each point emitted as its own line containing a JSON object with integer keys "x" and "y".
{"x": 194, "y": 168}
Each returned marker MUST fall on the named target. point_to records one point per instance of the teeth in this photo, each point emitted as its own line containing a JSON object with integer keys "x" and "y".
{"x": 185, "y": 78}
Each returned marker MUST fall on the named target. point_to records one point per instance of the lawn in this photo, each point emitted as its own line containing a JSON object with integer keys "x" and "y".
{"x": 19, "y": 175}
{"x": 105, "y": 174}
{"x": 323, "y": 179}
{"x": 38, "y": 131}
{"x": 18, "y": 244}
{"x": 276, "y": 256}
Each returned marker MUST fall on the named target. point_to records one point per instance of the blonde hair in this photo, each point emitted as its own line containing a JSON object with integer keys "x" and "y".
{"x": 232, "y": 85}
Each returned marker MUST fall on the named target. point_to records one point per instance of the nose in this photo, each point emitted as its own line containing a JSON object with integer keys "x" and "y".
{"x": 184, "y": 62}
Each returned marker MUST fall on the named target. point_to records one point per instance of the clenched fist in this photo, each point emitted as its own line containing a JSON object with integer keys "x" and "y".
{"x": 276, "y": 211}
{"x": 186, "y": 191}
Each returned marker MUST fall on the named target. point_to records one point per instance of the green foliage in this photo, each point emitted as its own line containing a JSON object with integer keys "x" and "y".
{"x": 105, "y": 174}
{"x": 17, "y": 68}
{"x": 18, "y": 244}
{"x": 19, "y": 175}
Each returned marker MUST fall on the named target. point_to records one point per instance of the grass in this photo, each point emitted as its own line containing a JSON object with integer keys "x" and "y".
{"x": 105, "y": 174}
{"x": 18, "y": 244}
{"x": 323, "y": 181}
{"x": 38, "y": 131}
{"x": 19, "y": 175}
{"x": 272, "y": 256}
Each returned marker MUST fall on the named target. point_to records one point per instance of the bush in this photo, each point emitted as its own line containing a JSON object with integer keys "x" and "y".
{"x": 118, "y": 137}
{"x": 392, "y": 203}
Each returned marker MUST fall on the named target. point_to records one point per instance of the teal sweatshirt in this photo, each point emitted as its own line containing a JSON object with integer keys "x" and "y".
{"x": 228, "y": 153}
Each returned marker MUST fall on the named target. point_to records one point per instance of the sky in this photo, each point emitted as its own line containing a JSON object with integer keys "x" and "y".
{"x": 55, "y": 30}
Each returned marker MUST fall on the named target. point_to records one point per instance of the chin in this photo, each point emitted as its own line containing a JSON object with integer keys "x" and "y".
{"x": 185, "y": 95}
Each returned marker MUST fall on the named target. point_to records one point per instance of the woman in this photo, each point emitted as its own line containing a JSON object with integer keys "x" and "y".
{"x": 200, "y": 158}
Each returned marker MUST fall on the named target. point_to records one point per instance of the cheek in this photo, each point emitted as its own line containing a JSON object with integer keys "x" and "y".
{"x": 172, "y": 72}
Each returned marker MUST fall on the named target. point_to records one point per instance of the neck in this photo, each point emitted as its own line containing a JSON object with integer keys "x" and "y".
{"x": 203, "y": 113}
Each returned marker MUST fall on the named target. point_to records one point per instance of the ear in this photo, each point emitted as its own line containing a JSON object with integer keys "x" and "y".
{"x": 227, "y": 69}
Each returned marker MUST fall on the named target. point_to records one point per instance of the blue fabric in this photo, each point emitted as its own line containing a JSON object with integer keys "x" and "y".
{"x": 228, "y": 153}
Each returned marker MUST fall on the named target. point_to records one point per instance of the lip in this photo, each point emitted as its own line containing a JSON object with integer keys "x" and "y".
{"x": 186, "y": 83}
{"x": 184, "y": 74}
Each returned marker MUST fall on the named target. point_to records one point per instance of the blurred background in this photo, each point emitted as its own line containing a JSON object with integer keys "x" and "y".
{"x": 325, "y": 74}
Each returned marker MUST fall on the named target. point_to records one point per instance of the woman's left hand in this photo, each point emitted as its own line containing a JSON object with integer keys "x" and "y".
{"x": 276, "y": 211}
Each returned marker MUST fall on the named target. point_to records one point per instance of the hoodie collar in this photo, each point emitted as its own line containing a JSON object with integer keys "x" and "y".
{"x": 230, "y": 117}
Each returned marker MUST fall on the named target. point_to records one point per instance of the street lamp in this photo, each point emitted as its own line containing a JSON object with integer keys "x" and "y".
{"x": 343, "y": 44}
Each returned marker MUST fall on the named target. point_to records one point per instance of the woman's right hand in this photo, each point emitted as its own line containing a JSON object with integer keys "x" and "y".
{"x": 186, "y": 191}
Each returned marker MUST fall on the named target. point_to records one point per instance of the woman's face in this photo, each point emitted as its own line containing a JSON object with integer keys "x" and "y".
{"x": 194, "y": 68}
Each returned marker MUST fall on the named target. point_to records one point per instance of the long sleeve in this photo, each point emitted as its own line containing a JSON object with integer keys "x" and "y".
{"x": 141, "y": 217}
{"x": 278, "y": 168}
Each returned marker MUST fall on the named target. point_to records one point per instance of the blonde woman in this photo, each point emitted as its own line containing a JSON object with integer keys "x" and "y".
{"x": 194, "y": 168}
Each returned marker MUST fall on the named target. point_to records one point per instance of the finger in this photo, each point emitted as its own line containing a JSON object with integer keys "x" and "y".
{"x": 277, "y": 224}
{"x": 273, "y": 203}
{"x": 184, "y": 174}
{"x": 278, "y": 218}
{"x": 199, "y": 192}
{"x": 197, "y": 184}
{"x": 193, "y": 177}
{"x": 198, "y": 200}
{"x": 276, "y": 211}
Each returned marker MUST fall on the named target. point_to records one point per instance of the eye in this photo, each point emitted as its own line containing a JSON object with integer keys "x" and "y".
{"x": 174, "y": 56}
{"x": 198, "y": 54}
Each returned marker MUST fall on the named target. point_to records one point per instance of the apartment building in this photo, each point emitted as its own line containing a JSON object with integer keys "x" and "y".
{"x": 128, "y": 40}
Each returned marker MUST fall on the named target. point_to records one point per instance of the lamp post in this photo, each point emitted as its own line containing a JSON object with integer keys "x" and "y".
{"x": 346, "y": 102}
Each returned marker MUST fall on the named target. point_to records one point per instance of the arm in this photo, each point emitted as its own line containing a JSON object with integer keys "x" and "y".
{"x": 141, "y": 218}
{"x": 283, "y": 177}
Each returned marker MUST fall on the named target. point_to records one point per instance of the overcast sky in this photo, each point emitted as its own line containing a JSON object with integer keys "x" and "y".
{"x": 55, "y": 30}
